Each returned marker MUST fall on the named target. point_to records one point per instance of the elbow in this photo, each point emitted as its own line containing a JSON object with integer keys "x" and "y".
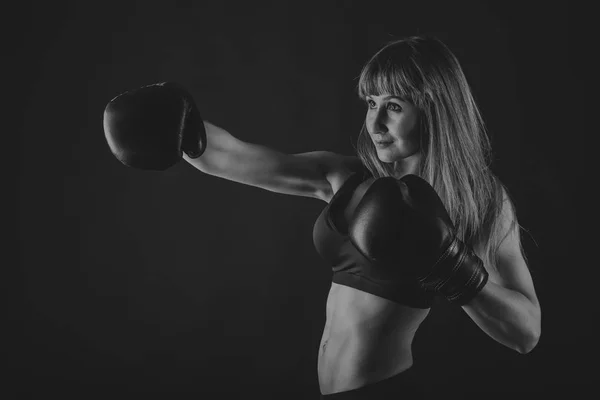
{"x": 532, "y": 333}
{"x": 528, "y": 344}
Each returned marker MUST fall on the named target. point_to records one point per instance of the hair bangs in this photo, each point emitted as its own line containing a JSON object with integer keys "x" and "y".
{"x": 380, "y": 77}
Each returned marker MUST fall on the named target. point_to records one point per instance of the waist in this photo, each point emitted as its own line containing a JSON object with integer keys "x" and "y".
{"x": 349, "y": 361}
{"x": 366, "y": 338}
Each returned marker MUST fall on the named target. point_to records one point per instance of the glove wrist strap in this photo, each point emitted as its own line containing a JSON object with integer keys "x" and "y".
{"x": 459, "y": 274}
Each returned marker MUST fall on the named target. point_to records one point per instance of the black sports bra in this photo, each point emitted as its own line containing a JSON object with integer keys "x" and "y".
{"x": 350, "y": 267}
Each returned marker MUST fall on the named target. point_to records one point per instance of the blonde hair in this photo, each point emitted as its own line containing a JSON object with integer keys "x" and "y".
{"x": 456, "y": 151}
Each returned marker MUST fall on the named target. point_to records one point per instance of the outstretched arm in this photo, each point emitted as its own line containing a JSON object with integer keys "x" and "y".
{"x": 507, "y": 308}
{"x": 303, "y": 174}
{"x": 155, "y": 126}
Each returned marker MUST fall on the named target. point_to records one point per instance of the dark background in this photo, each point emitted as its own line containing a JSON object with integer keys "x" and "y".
{"x": 175, "y": 284}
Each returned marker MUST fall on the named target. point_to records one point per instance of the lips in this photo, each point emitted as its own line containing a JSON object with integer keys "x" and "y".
{"x": 380, "y": 139}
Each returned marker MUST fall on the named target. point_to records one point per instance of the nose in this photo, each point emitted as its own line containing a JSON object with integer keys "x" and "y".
{"x": 376, "y": 121}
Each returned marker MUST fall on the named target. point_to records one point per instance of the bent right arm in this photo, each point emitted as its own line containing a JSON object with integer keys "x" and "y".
{"x": 305, "y": 174}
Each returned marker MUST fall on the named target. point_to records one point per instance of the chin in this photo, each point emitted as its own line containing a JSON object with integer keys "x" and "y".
{"x": 387, "y": 160}
{"x": 388, "y": 157}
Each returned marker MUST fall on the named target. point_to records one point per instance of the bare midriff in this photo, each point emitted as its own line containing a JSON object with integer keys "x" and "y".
{"x": 366, "y": 339}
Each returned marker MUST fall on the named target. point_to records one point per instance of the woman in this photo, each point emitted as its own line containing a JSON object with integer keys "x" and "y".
{"x": 392, "y": 242}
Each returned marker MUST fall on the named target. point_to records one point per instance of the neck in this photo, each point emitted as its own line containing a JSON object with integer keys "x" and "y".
{"x": 408, "y": 165}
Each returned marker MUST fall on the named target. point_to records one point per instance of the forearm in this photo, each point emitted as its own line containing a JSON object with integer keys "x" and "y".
{"x": 507, "y": 316}
{"x": 220, "y": 145}
{"x": 230, "y": 158}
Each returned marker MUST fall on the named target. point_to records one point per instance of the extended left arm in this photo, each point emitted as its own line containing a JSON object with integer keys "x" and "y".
{"x": 507, "y": 316}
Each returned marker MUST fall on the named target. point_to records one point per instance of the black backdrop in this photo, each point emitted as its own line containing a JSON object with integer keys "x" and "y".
{"x": 173, "y": 283}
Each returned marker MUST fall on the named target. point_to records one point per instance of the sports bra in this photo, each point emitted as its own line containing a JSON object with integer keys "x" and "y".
{"x": 350, "y": 268}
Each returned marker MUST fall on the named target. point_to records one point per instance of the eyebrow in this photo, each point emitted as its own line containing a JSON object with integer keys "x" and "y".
{"x": 390, "y": 97}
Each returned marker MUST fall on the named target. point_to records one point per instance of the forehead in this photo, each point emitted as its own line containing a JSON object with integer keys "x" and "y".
{"x": 380, "y": 79}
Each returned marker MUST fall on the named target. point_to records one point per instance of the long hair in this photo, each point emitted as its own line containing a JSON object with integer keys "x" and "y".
{"x": 456, "y": 150}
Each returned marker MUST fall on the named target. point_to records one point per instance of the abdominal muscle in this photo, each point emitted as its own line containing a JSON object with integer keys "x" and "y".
{"x": 366, "y": 339}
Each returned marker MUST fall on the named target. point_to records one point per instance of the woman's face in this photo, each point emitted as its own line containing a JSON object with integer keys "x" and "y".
{"x": 393, "y": 127}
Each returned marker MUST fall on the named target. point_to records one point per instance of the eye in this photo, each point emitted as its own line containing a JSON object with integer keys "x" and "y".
{"x": 394, "y": 107}
{"x": 390, "y": 105}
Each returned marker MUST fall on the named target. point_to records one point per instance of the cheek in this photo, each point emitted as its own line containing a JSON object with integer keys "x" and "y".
{"x": 369, "y": 121}
{"x": 407, "y": 127}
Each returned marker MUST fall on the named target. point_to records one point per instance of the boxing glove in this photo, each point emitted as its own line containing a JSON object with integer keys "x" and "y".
{"x": 403, "y": 228}
{"x": 150, "y": 127}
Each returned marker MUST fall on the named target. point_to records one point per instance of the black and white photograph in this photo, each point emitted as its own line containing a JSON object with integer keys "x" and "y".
{"x": 299, "y": 200}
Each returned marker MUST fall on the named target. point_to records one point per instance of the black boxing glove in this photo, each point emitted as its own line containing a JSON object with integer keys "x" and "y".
{"x": 150, "y": 127}
{"x": 402, "y": 226}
